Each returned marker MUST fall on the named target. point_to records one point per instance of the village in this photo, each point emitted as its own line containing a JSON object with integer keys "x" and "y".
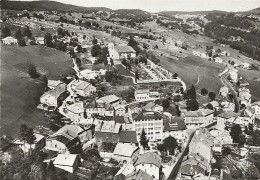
{"x": 123, "y": 116}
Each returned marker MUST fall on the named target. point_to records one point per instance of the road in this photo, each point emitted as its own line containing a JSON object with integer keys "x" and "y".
{"x": 224, "y": 80}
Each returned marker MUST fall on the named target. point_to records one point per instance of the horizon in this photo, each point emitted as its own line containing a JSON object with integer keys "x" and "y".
{"x": 154, "y": 6}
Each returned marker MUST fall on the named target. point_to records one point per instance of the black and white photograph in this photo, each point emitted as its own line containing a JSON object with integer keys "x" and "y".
{"x": 130, "y": 90}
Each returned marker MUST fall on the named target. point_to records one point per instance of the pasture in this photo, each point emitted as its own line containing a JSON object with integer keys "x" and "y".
{"x": 19, "y": 93}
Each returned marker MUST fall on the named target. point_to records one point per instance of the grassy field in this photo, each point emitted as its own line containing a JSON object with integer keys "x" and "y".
{"x": 20, "y": 94}
{"x": 196, "y": 71}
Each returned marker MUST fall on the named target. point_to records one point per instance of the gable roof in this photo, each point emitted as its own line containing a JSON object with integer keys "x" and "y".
{"x": 139, "y": 175}
{"x": 56, "y": 92}
{"x": 147, "y": 115}
{"x": 174, "y": 124}
{"x": 228, "y": 114}
{"x": 81, "y": 85}
{"x": 198, "y": 113}
{"x": 119, "y": 119}
{"x": 125, "y": 150}
{"x": 76, "y": 108}
{"x": 224, "y": 89}
{"x": 124, "y": 49}
{"x": 149, "y": 158}
{"x": 65, "y": 159}
{"x": 109, "y": 99}
{"x": 128, "y": 137}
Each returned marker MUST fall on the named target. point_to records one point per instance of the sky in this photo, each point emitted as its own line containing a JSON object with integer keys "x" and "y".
{"x": 169, "y": 5}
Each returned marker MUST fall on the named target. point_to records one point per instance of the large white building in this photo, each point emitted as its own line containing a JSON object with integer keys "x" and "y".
{"x": 151, "y": 122}
{"x": 81, "y": 88}
{"x": 199, "y": 118}
{"x": 146, "y": 95}
{"x": 9, "y": 41}
{"x": 119, "y": 52}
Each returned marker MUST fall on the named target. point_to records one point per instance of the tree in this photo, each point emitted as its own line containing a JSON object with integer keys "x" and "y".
{"x": 212, "y": 96}
{"x": 143, "y": 140}
{"x": 218, "y": 51}
{"x": 51, "y": 172}
{"x": 94, "y": 41}
{"x": 111, "y": 62}
{"x": 84, "y": 36}
{"x": 191, "y": 93}
{"x": 95, "y": 50}
{"x": 6, "y": 32}
{"x": 18, "y": 34}
{"x": 45, "y": 81}
{"x": 226, "y": 151}
{"x": 48, "y": 40}
{"x": 192, "y": 105}
{"x": 32, "y": 71}
{"x": 136, "y": 76}
{"x": 21, "y": 42}
{"x": 204, "y": 92}
{"x": 235, "y": 133}
{"x": 165, "y": 103}
{"x": 209, "y": 106}
{"x": 27, "y": 32}
{"x": 105, "y": 62}
{"x": 175, "y": 75}
{"x": 78, "y": 62}
{"x": 170, "y": 144}
{"x": 30, "y": 138}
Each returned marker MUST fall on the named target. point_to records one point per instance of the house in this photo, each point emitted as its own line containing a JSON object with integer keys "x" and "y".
{"x": 101, "y": 111}
{"x": 233, "y": 75}
{"x": 81, "y": 88}
{"x": 109, "y": 100}
{"x": 226, "y": 119}
{"x": 124, "y": 171}
{"x": 128, "y": 137}
{"x": 227, "y": 106}
{"x": 151, "y": 122}
{"x": 139, "y": 175}
{"x": 150, "y": 163}
{"x": 224, "y": 91}
{"x": 225, "y": 53}
{"x": 218, "y": 60}
{"x": 244, "y": 96}
{"x": 146, "y": 95}
{"x": 221, "y": 137}
{"x": 199, "y": 118}
{"x": 175, "y": 127}
{"x": 39, "y": 40}
{"x": 38, "y": 144}
{"x": 54, "y": 97}
{"x": 151, "y": 106}
{"x": 52, "y": 84}
{"x": 126, "y": 152}
{"x": 9, "y": 41}
{"x": 67, "y": 162}
{"x": 256, "y": 107}
{"x": 63, "y": 141}
{"x": 119, "y": 52}
{"x": 120, "y": 110}
{"x": 193, "y": 167}
{"x": 84, "y": 134}
{"x": 246, "y": 65}
{"x": 74, "y": 111}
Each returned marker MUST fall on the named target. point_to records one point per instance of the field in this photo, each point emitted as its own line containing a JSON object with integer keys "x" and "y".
{"x": 20, "y": 94}
{"x": 196, "y": 71}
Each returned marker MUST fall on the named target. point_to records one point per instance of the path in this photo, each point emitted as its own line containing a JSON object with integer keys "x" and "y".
{"x": 198, "y": 73}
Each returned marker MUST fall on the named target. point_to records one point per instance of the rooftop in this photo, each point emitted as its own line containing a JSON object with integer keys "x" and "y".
{"x": 149, "y": 158}
{"x": 76, "y": 108}
{"x": 198, "y": 113}
{"x": 126, "y": 149}
{"x": 228, "y": 114}
{"x": 141, "y": 91}
{"x": 139, "y": 175}
{"x": 65, "y": 159}
{"x": 175, "y": 124}
{"x": 128, "y": 137}
{"x": 147, "y": 115}
{"x": 109, "y": 99}
{"x": 124, "y": 49}
{"x": 61, "y": 88}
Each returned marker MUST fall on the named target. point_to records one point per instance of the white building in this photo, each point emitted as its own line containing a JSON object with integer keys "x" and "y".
{"x": 126, "y": 152}
{"x": 233, "y": 75}
{"x": 223, "y": 91}
{"x": 199, "y": 118}
{"x": 150, "y": 163}
{"x": 244, "y": 96}
{"x": 109, "y": 100}
{"x": 67, "y": 162}
{"x": 151, "y": 122}
{"x": 146, "y": 95}
{"x": 119, "y": 52}
{"x": 9, "y": 41}
{"x": 151, "y": 106}
{"x": 256, "y": 107}
{"x": 225, "y": 119}
{"x": 218, "y": 60}
{"x": 81, "y": 88}
{"x": 176, "y": 128}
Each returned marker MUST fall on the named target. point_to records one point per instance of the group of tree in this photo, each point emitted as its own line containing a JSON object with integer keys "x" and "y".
{"x": 190, "y": 96}
{"x": 169, "y": 145}
{"x": 237, "y": 134}
{"x": 112, "y": 75}
{"x": 27, "y": 134}
{"x": 143, "y": 139}
{"x": 134, "y": 44}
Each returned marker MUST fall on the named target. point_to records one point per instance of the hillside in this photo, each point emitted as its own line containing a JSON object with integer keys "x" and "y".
{"x": 170, "y": 13}
{"x": 48, "y": 5}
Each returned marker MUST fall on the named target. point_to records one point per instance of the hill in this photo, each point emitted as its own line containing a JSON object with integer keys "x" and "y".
{"x": 48, "y": 6}
{"x": 170, "y": 13}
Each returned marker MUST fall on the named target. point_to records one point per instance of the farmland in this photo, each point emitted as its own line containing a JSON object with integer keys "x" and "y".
{"x": 20, "y": 94}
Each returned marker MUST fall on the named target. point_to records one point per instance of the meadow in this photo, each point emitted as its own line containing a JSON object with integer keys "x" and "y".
{"x": 19, "y": 93}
